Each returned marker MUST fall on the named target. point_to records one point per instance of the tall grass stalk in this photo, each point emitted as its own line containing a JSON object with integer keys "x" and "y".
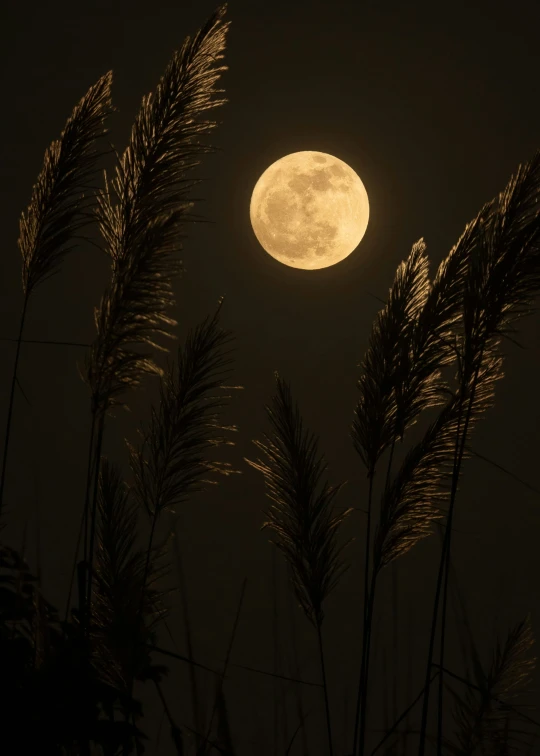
{"x": 295, "y": 671}
{"x": 219, "y": 700}
{"x": 395, "y": 643}
{"x": 411, "y": 341}
{"x": 197, "y": 720}
{"x": 380, "y": 419}
{"x": 141, "y": 227}
{"x": 275, "y": 644}
{"x": 120, "y": 631}
{"x": 502, "y": 278}
{"x": 59, "y": 208}
{"x": 301, "y": 513}
{"x": 172, "y": 460}
{"x": 175, "y": 454}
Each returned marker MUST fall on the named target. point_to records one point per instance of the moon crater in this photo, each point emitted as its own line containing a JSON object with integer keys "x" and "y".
{"x": 309, "y": 210}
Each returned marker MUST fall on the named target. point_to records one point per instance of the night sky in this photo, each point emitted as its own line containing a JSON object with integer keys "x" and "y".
{"x": 434, "y": 106}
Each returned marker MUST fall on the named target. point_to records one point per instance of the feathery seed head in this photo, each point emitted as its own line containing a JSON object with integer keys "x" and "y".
{"x": 301, "y": 513}
{"x": 58, "y": 207}
{"x": 172, "y": 460}
{"x": 141, "y": 228}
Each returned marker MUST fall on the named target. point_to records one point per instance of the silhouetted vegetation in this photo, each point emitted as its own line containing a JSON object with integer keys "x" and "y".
{"x": 70, "y": 681}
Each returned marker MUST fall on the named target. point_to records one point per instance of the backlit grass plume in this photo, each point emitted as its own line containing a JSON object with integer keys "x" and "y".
{"x": 377, "y": 421}
{"x": 381, "y": 415}
{"x": 140, "y": 214}
{"x": 59, "y": 206}
{"x": 504, "y": 273}
{"x": 301, "y": 513}
{"x": 481, "y": 714}
{"x": 502, "y": 279}
{"x": 174, "y": 457}
{"x": 412, "y": 338}
{"x": 411, "y": 502}
{"x": 141, "y": 211}
{"x": 176, "y": 453}
{"x": 432, "y": 337}
{"x": 401, "y": 378}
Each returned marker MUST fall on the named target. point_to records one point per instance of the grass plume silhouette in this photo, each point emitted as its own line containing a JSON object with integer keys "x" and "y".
{"x": 71, "y": 680}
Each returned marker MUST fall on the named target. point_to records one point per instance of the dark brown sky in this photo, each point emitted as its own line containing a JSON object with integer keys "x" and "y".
{"x": 434, "y": 106}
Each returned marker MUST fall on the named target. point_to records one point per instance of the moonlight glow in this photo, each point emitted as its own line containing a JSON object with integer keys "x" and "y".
{"x": 309, "y": 210}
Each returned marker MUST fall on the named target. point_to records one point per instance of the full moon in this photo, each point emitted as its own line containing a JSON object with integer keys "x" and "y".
{"x": 309, "y": 210}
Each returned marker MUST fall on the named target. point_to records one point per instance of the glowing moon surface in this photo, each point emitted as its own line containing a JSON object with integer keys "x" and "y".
{"x": 309, "y": 210}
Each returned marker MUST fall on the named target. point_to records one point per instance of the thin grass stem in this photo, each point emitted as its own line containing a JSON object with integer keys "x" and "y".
{"x": 325, "y": 687}
{"x": 11, "y": 401}
{"x": 425, "y": 704}
{"x": 227, "y": 659}
{"x": 460, "y": 445}
{"x": 84, "y": 521}
{"x": 296, "y": 670}
{"x": 395, "y": 639}
{"x": 457, "y": 468}
{"x": 367, "y": 619}
{"x": 364, "y": 634}
{"x": 275, "y": 655}
{"x": 364, "y": 675}
{"x": 189, "y": 642}
{"x": 401, "y": 718}
{"x": 90, "y": 555}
